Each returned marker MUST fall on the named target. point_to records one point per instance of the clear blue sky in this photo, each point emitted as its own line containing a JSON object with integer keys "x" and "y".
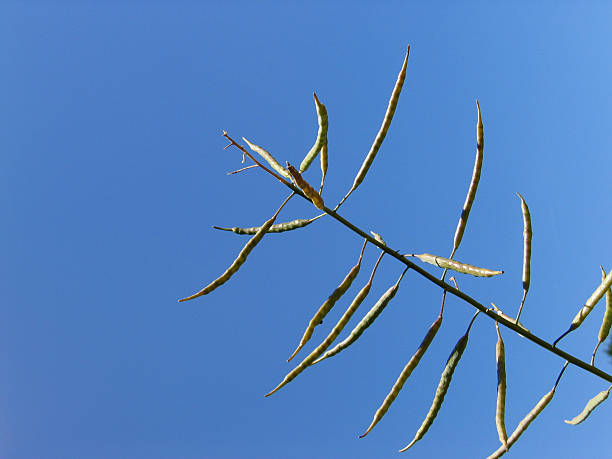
{"x": 112, "y": 172}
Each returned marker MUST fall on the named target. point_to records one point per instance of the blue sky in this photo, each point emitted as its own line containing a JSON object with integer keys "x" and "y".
{"x": 113, "y": 171}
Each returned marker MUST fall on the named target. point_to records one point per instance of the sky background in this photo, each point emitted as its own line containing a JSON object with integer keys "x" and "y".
{"x": 112, "y": 172}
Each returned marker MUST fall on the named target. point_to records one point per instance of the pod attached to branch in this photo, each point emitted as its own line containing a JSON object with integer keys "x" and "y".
{"x": 455, "y": 265}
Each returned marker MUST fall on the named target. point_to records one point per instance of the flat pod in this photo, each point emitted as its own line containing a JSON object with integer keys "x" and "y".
{"x": 527, "y": 236}
{"x": 329, "y": 303}
{"x": 471, "y": 194}
{"x": 443, "y": 385}
{"x": 590, "y": 407}
{"x": 405, "y": 374}
{"x": 382, "y": 132}
{"x": 310, "y": 359}
{"x": 606, "y": 323}
{"x": 447, "y": 263}
{"x": 321, "y": 135}
{"x": 269, "y": 159}
{"x": 276, "y": 228}
{"x": 500, "y": 409}
{"x": 368, "y": 320}
{"x": 240, "y": 259}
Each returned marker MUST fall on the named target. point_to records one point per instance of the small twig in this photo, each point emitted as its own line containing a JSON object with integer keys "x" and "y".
{"x": 243, "y": 169}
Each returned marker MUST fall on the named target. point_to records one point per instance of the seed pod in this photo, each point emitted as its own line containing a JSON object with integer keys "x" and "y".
{"x": 500, "y": 412}
{"x": 333, "y": 334}
{"x": 589, "y": 305}
{"x": 590, "y": 407}
{"x": 329, "y": 303}
{"x": 469, "y": 199}
{"x": 382, "y": 131}
{"x": 527, "y": 234}
{"x": 378, "y": 237}
{"x": 604, "y": 330}
{"x": 369, "y": 318}
{"x": 406, "y": 372}
{"x": 305, "y": 187}
{"x": 522, "y": 426}
{"x": 444, "y": 384}
{"x": 276, "y": 228}
{"x": 455, "y": 265}
{"x": 242, "y": 256}
{"x": 323, "y": 165}
{"x": 269, "y": 158}
{"x": 321, "y": 135}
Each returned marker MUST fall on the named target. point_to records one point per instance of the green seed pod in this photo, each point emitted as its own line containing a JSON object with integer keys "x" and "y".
{"x": 369, "y": 318}
{"x": 445, "y": 380}
{"x": 382, "y": 132}
{"x": 455, "y": 265}
{"x": 527, "y": 234}
{"x": 590, "y": 407}
{"x": 309, "y": 360}
{"x": 242, "y": 256}
{"x": 329, "y": 303}
{"x": 405, "y": 374}
{"x": 323, "y": 165}
{"x": 500, "y": 412}
{"x": 321, "y": 135}
{"x": 589, "y": 305}
{"x": 522, "y": 426}
{"x": 469, "y": 199}
{"x": 269, "y": 158}
{"x": 604, "y": 330}
{"x": 276, "y": 228}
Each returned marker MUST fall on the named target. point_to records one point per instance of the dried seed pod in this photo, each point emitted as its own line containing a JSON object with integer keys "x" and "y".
{"x": 321, "y": 135}
{"x": 455, "y": 265}
{"x": 369, "y": 318}
{"x": 309, "y": 360}
{"x": 589, "y": 305}
{"x": 508, "y": 318}
{"x": 276, "y": 228}
{"x": 323, "y": 165}
{"x": 406, "y": 372}
{"x": 365, "y": 166}
{"x": 378, "y": 237}
{"x": 469, "y": 199}
{"x": 590, "y": 407}
{"x": 500, "y": 412}
{"x": 242, "y": 256}
{"x": 522, "y": 426}
{"x": 309, "y": 191}
{"x": 329, "y": 303}
{"x": 269, "y": 158}
{"x": 527, "y": 234}
{"x": 604, "y": 330}
{"x": 445, "y": 380}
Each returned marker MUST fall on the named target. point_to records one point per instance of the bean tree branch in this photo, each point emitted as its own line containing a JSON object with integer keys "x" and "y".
{"x": 440, "y": 283}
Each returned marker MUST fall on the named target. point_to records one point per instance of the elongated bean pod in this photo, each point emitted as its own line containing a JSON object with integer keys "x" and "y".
{"x": 363, "y": 293}
{"x": 276, "y": 228}
{"x": 329, "y": 303}
{"x": 405, "y": 374}
{"x": 382, "y": 132}
{"x": 444, "y": 384}
{"x": 321, "y": 135}
{"x": 242, "y": 256}
{"x": 500, "y": 411}
{"x": 527, "y": 234}
{"x": 590, "y": 407}
{"x": 323, "y": 166}
{"x": 528, "y": 419}
{"x": 308, "y": 190}
{"x": 589, "y": 305}
{"x": 471, "y": 194}
{"x": 455, "y": 265}
{"x": 604, "y": 330}
{"x": 269, "y": 158}
{"x": 368, "y": 320}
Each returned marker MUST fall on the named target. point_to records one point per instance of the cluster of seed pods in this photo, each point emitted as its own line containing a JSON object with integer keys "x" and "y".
{"x": 323, "y": 351}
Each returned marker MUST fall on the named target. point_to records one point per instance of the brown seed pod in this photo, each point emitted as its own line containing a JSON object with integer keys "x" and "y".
{"x": 303, "y": 185}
